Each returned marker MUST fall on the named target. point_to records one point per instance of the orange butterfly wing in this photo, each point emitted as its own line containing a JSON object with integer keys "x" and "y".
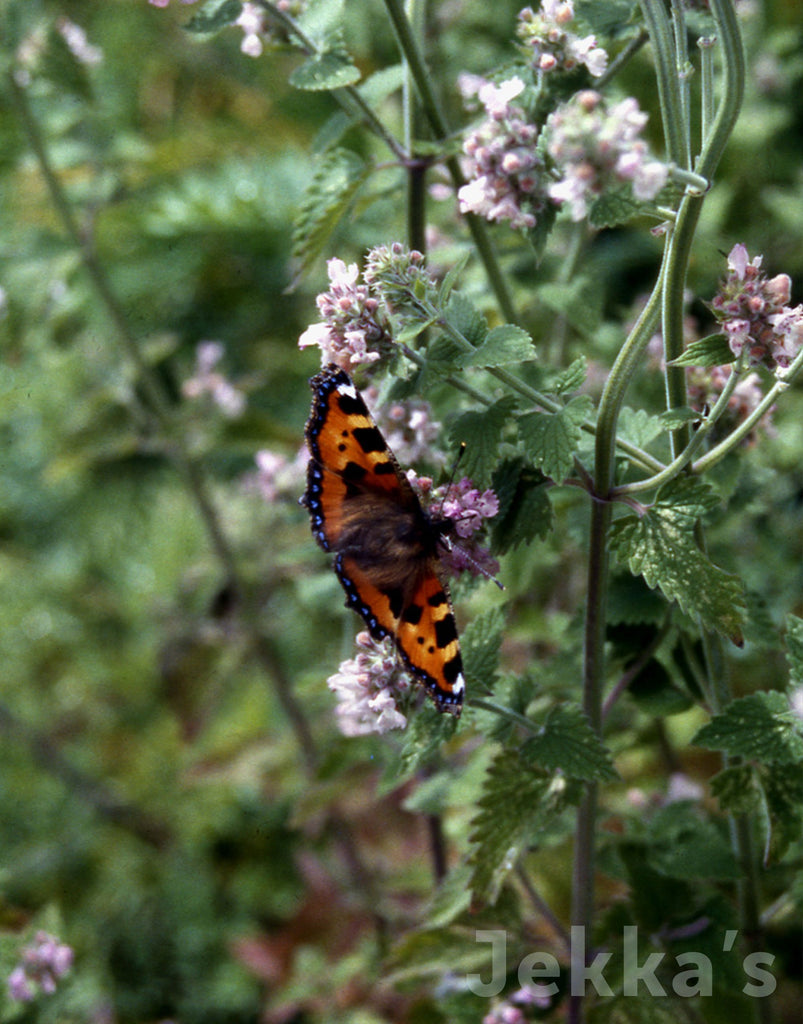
{"x": 363, "y": 507}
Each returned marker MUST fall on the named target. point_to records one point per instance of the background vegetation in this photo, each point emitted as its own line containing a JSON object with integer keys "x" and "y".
{"x": 175, "y": 799}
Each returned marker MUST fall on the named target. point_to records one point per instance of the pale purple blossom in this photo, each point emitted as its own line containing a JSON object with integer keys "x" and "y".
{"x": 277, "y": 477}
{"x": 552, "y": 44}
{"x": 408, "y": 428}
{"x": 752, "y": 312}
{"x": 467, "y": 508}
{"x": 505, "y": 175}
{"x": 368, "y": 688}
{"x": 355, "y": 331}
{"x": 209, "y": 381}
{"x": 42, "y": 964}
{"x": 596, "y": 148}
{"x": 796, "y": 702}
{"x": 75, "y": 38}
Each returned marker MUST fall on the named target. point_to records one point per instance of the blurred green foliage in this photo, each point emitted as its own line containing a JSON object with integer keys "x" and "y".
{"x": 156, "y": 806}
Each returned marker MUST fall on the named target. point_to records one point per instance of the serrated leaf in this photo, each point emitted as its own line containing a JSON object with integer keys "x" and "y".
{"x": 571, "y": 378}
{"x": 331, "y": 69}
{"x": 568, "y": 743}
{"x": 793, "y": 642}
{"x": 453, "y": 896}
{"x": 525, "y": 511}
{"x": 482, "y": 432}
{"x": 214, "y": 15}
{"x": 638, "y": 427}
{"x": 760, "y": 726}
{"x": 425, "y": 732}
{"x": 605, "y": 18}
{"x": 502, "y": 345}
{"x": 737, "y": 789}
{"x": 711, "y": 351}
{"x": 631, "y": 602}
{"x": 551, "y": 439}
{"x": 660, "y": 546}
{"x": 480, "y": 642}
{"x": 516, "y": 799}
{"x": 463, "y": 316}
{"x": 334, "y": 184}
{"x": 614, "y": 207}
{"x": 686, "y": 845}
{"x": 655, "y": 693}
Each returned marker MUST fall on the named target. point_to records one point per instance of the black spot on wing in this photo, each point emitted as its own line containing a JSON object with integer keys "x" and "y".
{"x": 369, "y": 439}
{"x": 452, "y": 669}
{"x": 445, "y": 631}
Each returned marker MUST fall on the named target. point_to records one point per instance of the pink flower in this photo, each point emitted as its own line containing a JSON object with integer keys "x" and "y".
{"x": 42, "y": 964}
{"x": 552, "y": 45}
{"x": 752, "y": 313}
{"x": 505, "y": 175}
{"x": 368, "y": 687}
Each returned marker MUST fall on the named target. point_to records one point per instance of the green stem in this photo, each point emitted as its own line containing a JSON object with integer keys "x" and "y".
{"x": 735, "y": 438}
{"x": 684, "y": 458}
{"x": 499, "y": 709}
{"x": 666, "y": 74}
{"x": 437, "y": 122}
{"x": 682, "y": 70}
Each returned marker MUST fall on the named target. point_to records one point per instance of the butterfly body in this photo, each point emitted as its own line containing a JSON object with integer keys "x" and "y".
{"x": 387, "y": 547}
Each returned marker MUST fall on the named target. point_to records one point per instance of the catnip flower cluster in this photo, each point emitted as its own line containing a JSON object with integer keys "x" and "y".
{"x": 42, "y": 964}
{"x": 596, "y": 147}
{"x": 506, "y": 179}
{"x": 704, "y": 385}
{"x": 552, "y": 45}
{"x": 752, "y": 311}
{"x": 356, "y": 329}
{"x": 369, "y": 687}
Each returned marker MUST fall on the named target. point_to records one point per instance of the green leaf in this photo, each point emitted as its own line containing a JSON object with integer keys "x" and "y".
{"x": 515, "y": 803}
{"x": 568, "y": 743}
{"x": 686, "y": 845}
{"x": 760, "y": 726}
{"x": 737, "y": 789}
{"x": 571, "y": 378}
{"x": 214, "y": 15}
{"x": 631, "y": 602}
{"x": 482, "y": 432}
{"x": 426, "y": 731}
{"x": 336, "y": 180}
{"x": 673, "y": 419}
{"x": 638, "y": 427}
{"x": 462, "y": 316}
{"x": 331, "y": 69}
{"x": 655, "y": 693}
{"x": 452, "y": 897}
{"x": 660, "y": 546}
{"x": 551, "y": 439}
{"x": 794, "y": 648}
{"x": 480, "y": 642}
{"x": 613, "y": 207}
{"x": 605, "y": 18}
{"x": 783, "y": 786}
{"x": 502, "y": 345}
{"x": 525, "y": 511}
{"x": 450, "y": 280}
{"x": 711, "y": 351}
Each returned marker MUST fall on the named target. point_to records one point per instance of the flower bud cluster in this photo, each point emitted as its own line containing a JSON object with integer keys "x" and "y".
{"x": 467, "y": 508}
{"x": 753, "y": 313}
{"x": 596, "y": 147}
{"x": 356, "y": 328}
{"x": 505, "y": 174}
{"x": 368, "y": 688}
{"x": 42, "y": 964}
{"x": 546, "y": 33}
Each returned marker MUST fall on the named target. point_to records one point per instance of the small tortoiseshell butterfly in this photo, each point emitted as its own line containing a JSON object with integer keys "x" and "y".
{"x": 387, "y": 547}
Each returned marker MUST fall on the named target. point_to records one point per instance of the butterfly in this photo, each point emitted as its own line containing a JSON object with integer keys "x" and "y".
{"x": 387, "y": 547}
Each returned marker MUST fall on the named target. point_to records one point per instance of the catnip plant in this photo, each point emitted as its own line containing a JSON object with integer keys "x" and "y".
{"x": 475, "y": 323}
